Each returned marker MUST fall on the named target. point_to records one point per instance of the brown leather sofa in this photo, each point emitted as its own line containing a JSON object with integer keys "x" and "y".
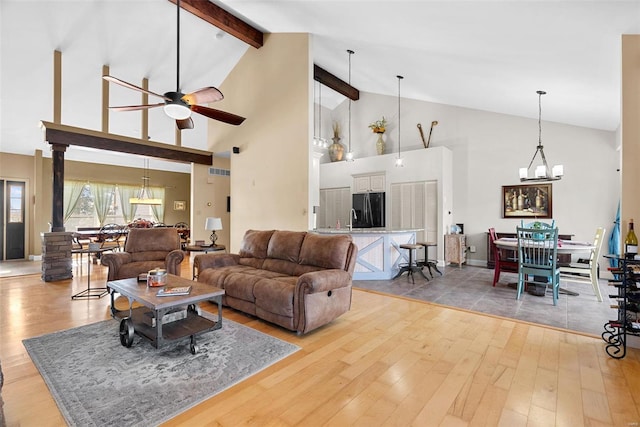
{"x": 297, "y": 280}
{"x": 145, "y": 249}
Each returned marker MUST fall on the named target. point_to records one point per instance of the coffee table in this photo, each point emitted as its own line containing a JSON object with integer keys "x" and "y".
{"x": 148, "y": 321}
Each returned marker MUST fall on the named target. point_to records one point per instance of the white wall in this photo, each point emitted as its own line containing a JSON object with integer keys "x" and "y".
{"x": 488, "y": 148}
{"x": 270, "y": 175}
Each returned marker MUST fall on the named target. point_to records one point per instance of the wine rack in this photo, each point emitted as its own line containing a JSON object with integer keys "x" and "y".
{"x": 627, "y": 295}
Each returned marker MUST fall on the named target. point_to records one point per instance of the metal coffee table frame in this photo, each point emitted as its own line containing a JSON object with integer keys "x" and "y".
{"x": 160, "y": 334}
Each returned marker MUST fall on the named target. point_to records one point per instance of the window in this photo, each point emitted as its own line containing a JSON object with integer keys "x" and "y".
{"x": 85, "y": 214}
{"x": 16, "y": 208}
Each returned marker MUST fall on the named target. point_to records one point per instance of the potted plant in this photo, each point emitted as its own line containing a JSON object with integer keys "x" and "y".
{"x": 379, "y": 127}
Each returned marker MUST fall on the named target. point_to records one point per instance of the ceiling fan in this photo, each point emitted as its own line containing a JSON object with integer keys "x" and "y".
{"x": 179, "y": 105}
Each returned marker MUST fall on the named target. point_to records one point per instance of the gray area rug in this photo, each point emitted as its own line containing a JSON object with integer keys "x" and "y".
{"x": 96, "y": 381}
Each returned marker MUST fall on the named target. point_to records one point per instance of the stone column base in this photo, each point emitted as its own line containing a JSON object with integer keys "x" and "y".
{"x": 57, "y": 263}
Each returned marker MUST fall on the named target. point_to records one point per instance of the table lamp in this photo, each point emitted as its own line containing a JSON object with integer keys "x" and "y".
{"x": 213, "y": 224}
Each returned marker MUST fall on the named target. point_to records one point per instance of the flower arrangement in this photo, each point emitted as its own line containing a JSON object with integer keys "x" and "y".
{"x": 379, "y": 126}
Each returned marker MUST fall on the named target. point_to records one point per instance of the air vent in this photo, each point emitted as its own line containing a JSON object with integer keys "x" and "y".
{"x": 219, "y": 172}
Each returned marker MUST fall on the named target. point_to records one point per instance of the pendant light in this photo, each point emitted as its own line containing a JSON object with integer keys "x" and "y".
{"x": 317, "y": 140}
{"x": 542, "y": 172}
{"x": 144, "y": 196}
{"x": 349, "y": 155}
{"x": 399, "y": 159}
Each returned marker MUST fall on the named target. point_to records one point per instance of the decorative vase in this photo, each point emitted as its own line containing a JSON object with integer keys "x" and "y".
{"x": 336, "y": 150}
{"x": 380, "y": 144}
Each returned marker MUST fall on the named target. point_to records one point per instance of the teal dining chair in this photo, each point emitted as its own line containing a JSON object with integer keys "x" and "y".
{"x": 537, "y": 259}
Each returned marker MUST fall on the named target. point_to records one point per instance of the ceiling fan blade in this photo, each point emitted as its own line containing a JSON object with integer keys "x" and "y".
{"x": 136, "y": 107}
{"x": 134, "y": 87}
{"x": 185, "y": 124}
{"x": 203, "y": 96}
{"x": 222, "y": 116}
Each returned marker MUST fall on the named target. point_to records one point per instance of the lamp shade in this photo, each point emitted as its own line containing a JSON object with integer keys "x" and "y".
{"x": 213, "y": 224}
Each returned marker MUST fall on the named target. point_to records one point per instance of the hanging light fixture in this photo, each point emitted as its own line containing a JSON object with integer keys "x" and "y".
{"x": 349, "y": 155}
{"x": 541, "y": 172}
{"x": 144, "y": 198}
{"x": 399, "y": 159}
{"x": 317, "y": 140}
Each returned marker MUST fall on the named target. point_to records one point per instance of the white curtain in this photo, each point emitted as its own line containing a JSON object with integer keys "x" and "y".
{"x": 158, "y": 210}
{"x": 128, "y": 210}
{"x": 72, "y": 193}
{"x": 103, "y": 195}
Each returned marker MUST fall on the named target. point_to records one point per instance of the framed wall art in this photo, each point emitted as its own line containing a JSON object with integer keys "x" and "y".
{"x": 179, "y": 205}
{"x": 527, "y": 201}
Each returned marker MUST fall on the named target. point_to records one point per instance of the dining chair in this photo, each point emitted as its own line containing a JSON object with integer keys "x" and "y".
{"x": 502, "y": 262}
{"x": 538, "y": 259}
{"x": 109, "y": 236}
{"x": 538, "y": 224}
{"x": 586, "y": 272}
{"x": 184, "y": 231}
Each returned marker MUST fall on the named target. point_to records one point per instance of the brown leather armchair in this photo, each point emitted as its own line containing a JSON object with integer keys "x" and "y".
{"x": 145, "y": 249}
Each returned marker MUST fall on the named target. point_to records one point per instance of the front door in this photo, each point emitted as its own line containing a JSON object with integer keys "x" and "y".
{"x": 12, "y": 220}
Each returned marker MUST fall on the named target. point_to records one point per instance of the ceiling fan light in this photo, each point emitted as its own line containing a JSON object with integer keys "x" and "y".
{"x": 177, "y": 111}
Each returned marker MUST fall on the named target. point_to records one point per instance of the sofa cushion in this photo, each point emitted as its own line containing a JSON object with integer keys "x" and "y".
{"x": 280, "y": 266}
{"x": 152, "y": 239}
{"x": 149, "y": 256}
{"x": 326, "y": 251}
{"x": 285, "y": 245}
{"x": 133, "y": 269}
{"x": 275, "y": 295}
{"x": 239, "y": 281}
{"x": 255, "y": 243}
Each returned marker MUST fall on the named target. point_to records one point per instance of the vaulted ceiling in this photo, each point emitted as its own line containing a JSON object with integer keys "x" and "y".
{"x": 487, "y": 55}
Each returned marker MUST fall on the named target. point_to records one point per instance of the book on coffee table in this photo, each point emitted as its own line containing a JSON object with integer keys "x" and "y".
{"x": 170, "y": 291}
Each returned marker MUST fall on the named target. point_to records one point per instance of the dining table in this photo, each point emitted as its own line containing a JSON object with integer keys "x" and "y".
{"x": 569, "y": 247}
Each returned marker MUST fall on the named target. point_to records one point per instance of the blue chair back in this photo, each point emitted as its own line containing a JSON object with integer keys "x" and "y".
{"x": 538, "y": 258}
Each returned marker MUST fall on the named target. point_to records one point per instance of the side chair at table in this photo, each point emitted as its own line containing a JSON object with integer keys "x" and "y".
{"x": 538, "y": 259}
{"x": 501, "y": 259}
{"x": 586, "y": 272}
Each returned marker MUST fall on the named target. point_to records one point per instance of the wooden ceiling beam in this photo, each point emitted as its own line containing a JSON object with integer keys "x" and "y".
{"x": 217, "y": 16}
{"x": 326, "y": 78}
{"x": 57, "y": 134}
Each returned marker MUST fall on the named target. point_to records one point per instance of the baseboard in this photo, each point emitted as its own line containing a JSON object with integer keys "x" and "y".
{"x": 35, "y": 257}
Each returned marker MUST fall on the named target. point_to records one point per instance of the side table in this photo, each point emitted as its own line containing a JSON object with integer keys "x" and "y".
{"x": 205, "y": 249}
{"x": 455, "y": 250}
{"x": 90, "y": 292}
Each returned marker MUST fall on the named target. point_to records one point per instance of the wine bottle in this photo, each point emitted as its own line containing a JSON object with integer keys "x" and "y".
{"x": 631, "y": 242}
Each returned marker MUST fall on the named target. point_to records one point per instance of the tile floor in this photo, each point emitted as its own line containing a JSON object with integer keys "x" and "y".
{"x": 470, "y": 288}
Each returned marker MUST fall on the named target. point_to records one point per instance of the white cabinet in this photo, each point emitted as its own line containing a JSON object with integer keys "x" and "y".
{"x": 368, "y": 183}
{"x": 335, "y": 204}
{"x": 415, "y": 205}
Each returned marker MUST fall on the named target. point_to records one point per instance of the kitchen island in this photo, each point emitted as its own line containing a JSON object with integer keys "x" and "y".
{"x": 379, "y": 253}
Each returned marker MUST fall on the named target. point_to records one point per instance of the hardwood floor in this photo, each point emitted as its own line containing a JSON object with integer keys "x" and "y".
{"x": 389, "y": 361}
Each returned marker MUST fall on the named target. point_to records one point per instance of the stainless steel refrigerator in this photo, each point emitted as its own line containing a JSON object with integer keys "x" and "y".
{"x": 369, "y": 209}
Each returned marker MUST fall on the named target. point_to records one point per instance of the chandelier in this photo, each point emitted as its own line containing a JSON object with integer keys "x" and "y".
{"x": 144, "y": 195}
{"x": 541, "y": 172}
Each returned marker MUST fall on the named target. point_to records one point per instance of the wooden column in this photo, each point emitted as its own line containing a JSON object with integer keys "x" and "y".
{"x": 57, "y": 209}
